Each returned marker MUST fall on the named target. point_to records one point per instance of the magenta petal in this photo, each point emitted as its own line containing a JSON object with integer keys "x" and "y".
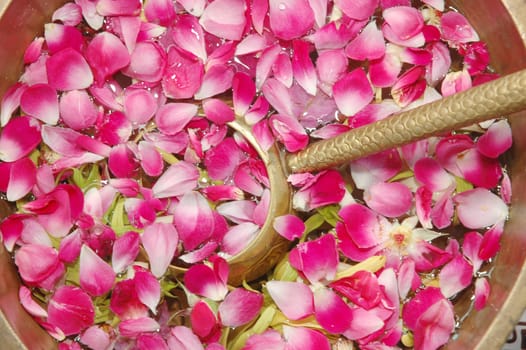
{"x": 303, "y": 68}
{"x": 225, "y": 19}
{"x": 455, "y": 276}
{"x": 471, "y": 248}
{"x": 183, "y": 75}
{"x": 289, "y": 131}
{"x": 482, "y": 290}
{"x": 384, "y": 71}
{"x": 435, "y": 325}
{"x": 194, "y": 220}
{"x": 300, "y": 338}
{"x": 496, "y": 140}
{"x": 41, "y": 101}
{"x": 173, "y": 117}
{"x": 147, "y": 62}
{"x": 176, "y": 180}
{"x": 294, "y": 299}
{"x": 11, "y": 229}
{"x": 290, "y": 19}
{"x": 352, "y": 92}
{"x": 151, "y": 160}
{"x": 478, "y": 169}
{"x": 456, "y": 28}
{"x": 289, "y": 226}
{"x": 118, "y": 7}
{"x": 358, "y": 9}
{"x": 125, "y": 250}
{"x": 368, "y": 45}
{"x": 22, "y": 178}
{"x": 96, "y": 276}
{"x": 59, "y": 37}
{"x": 106, "y": 54}
{"x": 202, "y": 280}
{"x": 243, "y": 92}
{"x": 188, "y": 34}
{"x": 148, "y": 289}
{"x": 122, "y": 162}
{"x": 71, "y": 310}
{"x": 29, "y": 304}
{"x": 160, "y": 242}
{"x": 160, "y": 11}
{"x": 480, "y": 208}
{"x": 332, "y": 313}
{"x": 33, "y": 51}
{"x": 13, "y": 147}
{"x": 139, "y": 106}
{"x": 390, "y": 199}
{"x": 136, "y": 326}
{"x": 316, "y": 259}
{"x": 282, "y": 69}
{"x": 68, "y": 70}
{"x": 240, "y": 307}
{"x": 429, "y": 173}
{"x": 218, "y": 111}
{"x": 217, "y": 79}
{"x": 77, "y": 109}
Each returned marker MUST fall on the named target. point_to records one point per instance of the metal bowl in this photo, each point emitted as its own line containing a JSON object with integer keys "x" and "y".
{"x": 501, "y": 24}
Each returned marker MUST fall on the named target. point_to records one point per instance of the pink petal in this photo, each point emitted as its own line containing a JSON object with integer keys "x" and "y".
{"x": 490, "y": 244}
{"x": 390, "y": 199}
{"x": 69, "y": 14}
{"x": 330, "y": 65}
{"x": 327, "y": 187}
{"x": 390, "y": 35}
{"x": 429, "y": 173}
{"x": 71, "y": 310}
{"x": 302, "y": 66}
{"x": 95, "y": 338}
{"x": 125, "y": 250}
{"x": 471, "y": 248}
{"x": 148, "y": 289}
{"x": 289, "y": 226}
{"x": 183, "y": 75}
{"x": 316, "y": 259}
{"x": 201, "y": 253}
{"x": 33, "y": 51}
{"x": 455, "y": 276}
{"x": 289, "y": 131}
{"x": 40, "y": 101}
{"x": 294, "y": 299}
{"x": 139, "y": 106}
{"x": 151, "y": 160}
{"x": 186, "y": 175}
{"x": 205, "y": 281}
{"x": 225, "y": 19}
{"x": 455, "y": 82}
{"x": 366, "y": 323}
{"x": 362, "y": 288}
{"x": 125, "y": 303}
{"x": 384, "y": 71}
{"x": 368, "y": 45}
{"x": 134, "y": 327}
{"x": 106, "y": 54}
{"x": 300, "y": 338}
{"x": 70, "y": 247}
{"x": 496, "y": 140}
{"x": 183, "y": 338}
{"x": 173, "y": 117}
{"x": 405, "y": 21}
{"x": 240, "y": 307}
{"x": 30, "y": 305}
{"x": 188, "y": 34}
{"x": 440, "y": 63}
{"x": 480, "y": 208}
{"x": 59, "y": 37}
{"x": 262, "y": 208}
{"x": 10, "y": 102}
{"x": 122, "y": 162}
{"x": 68, "y": 70}
{"x": 194, "y": 220}
{"x": 217, "y": 111}
{"x": 160, "y": 242}
{"x": 279, "y": 96}
{"x": 409, "y": 87}
{"x": 442, "y": 212}
{"x": 244, "y": 91}
{"x": 269, "y": 339}
{"x": 336, "y": 34}
{"x": 118, "y": 7}
{"x": 13, "y": 147}
{"x": 360, "y": 223}
{"x": 435, "y": 326}
{"x": 352, "y": 92}
{"x": 332, "y": 313}
{"x": 482, "y": 290}
{"x": 22, "y": 178}
{"x": 90, "y": 14}
{"x": 216, "y": 80}
{"x": 147, "y": 62}
{"x": 245, "y": 179}
{"x": 96, "y": 276}
{"x": 290, "y": 19}
{"x": 223, "y": 159}
{"x": 36, "y": 263}
{"x": 478, "y": 169}
{"x": 238, "y": 211}
{"x": 11, "y": 229}
{"x": 204, "y": 321}
{"x": 360, "y": 9}
{"x": 77, "y": 109}
{"x": 160, "y": 11}
{"x": 456, "y": 28}
{"x": 238, "y": 237}
{"x": 329, "y": 131}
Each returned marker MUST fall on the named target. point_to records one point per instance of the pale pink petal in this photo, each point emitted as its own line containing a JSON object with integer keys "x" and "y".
{"x": 289, "y": 131}
{"x": 225, "y": 19}
{"x": 263, "y": 135}
{"x": 390, "y": 199}
{"x": 36, "y": 263}
{"x": 332, "y": 313}
{"x": 59, "y": 37}
{"x": 34, "y": 50}
{"x": 368, "y": 45}
{"x": 330, "y": 65}
{"x": 238, "y": 211}
{"x": 316, "y": 259}
{"x": 125, "y": 250}
{"x": 269, "y": 339}
{"x": 188, "y": 34}
{"x": 352, "y": 92}
{"x": 440, "y": 63}
{"x": 96, "y": 276}
{"x": 496, "y": 140}
{"x": 77, "y": 109}
{"x": 418, "y": 40}
{"x": 10, "y": 102}
{"x": 405, "y": 21}
{"x": 194, "y": 220}
{"x": 238, "y": 237}
{"x": 182, "y": 338}
{"x": 329, "y": 131}
{"x": 118, "y": 7}
{"x": 139, "y": 106}
{"x": 456, "y": 28}
{"x": 183, "y": 75}
{"x": 36, "y": 72}
{"x": 205, "y": 281}
{"x": 435, "y": 325}
{"x": 294, "y": 299}
{"x": 327, "y": 187}
{"x": 34, "y": 233}
{"x": 429, "y": 173}
{"x": 290, "y": 19}
{"x": 185, "y": 176}
{"x": 41, "y": 101}
{"x": 173, "y": 117}
{"x": 217, "y": 79}
{"x": 240, "y": 307}
{"x": 96, "y": 338}
{"x": 148, "y": 289}
{"x": 68, "y": 70}
{"x": 262, "y": 208}
{"x": 437, "y": 4}
{"x": 482, "y": 290}
{"x": 223, "y": 159}
{"x": 455, "y": 82}
{"x": 358, "y": 9}
{"x": 289, "y": 226}
{"x": 217, "y": 111}
{"x": 136, "y": 326}
{"x": 279, "y": 96}
{"x": 302, "y": 66}
{"x": 360, "y": 223}
{"x": 89, "y": 12}
{"x": 245, "y": 179}
{"x": 250, "y": 44}
{"x": 243, "y": 92}
{"x": 151, "y": 160}
{"x": 455, "y": 276}
{"x": 200, "y": 254}
{"x": 147, "y": 62}
{"x": 365, "y": 323}
{"x": 22, "y": 178}
{"x": 71, "y": 310}
{"x": 160, "y": 11}
{"x": 300, "y": 338}
{"x": 480, "y": 208}
{"x": 384, "y": 71}
{"x": 30, "y": 305}
{"x": 160, "y": 242}
{"x": 69, "y": 14}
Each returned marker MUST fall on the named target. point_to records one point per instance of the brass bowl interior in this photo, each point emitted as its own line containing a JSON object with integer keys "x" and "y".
{"x": 501, "y": 24}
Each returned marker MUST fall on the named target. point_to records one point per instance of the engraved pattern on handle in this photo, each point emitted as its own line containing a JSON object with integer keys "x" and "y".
{"x": 493, "y": 99}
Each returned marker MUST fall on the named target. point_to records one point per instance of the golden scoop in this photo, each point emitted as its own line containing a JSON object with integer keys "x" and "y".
{"x": 496, "y": 98}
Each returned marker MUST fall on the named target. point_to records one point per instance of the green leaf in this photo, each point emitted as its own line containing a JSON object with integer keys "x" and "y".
{"x": 330, "y": 214}
{"x": 463, "y": 185}
{"x": 313, "y": 222}
{"x": 402, "y": 175}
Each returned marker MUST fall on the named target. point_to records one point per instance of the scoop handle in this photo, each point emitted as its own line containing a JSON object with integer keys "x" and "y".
{"x": 496, "y": 98}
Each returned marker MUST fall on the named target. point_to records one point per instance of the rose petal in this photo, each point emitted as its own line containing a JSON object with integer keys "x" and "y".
{"x": 352, "y": 92}
{"x": 224, "y": 18}
{"x": 240, "y": 307}
{"x": 71, "y": 310}
{"x": 294, "y": 299}
{"x": 160, "y": 242}
{"x": 68, "y": 70}
{"x": 96, "y": 276}
{"x": 41, "y": 101}
{"x": 290, "y": 19}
